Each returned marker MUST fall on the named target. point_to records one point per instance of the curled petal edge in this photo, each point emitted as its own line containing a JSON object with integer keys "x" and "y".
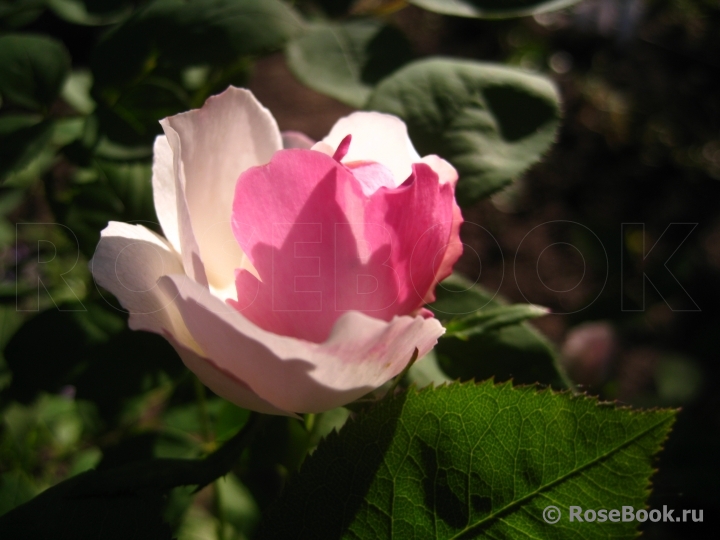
{"x": 295, "y": 375}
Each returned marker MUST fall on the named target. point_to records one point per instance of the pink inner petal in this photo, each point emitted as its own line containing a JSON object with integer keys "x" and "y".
{"x": 371, "y": 175}
{"x": 324, "y": 245}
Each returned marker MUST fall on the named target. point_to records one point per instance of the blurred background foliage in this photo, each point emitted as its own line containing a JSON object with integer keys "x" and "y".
{"x": 83, "y": 84}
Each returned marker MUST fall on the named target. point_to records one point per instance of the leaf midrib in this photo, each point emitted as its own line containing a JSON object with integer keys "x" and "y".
{"x": 560, "y": 479}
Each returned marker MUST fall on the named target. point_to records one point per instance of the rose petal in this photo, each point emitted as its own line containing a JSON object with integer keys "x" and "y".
{"x": 376, "y": 137}
{"x": 322, "y": 248}
{"x": 371, "y": 175}
{"x": 189, "y": 249}
{"x": 216, "y": 143}
{"x": 163, "y": 183}
{"x": 425, "y": 228}
{"x": 447, "y": 175}
{"x": 446, "y": 172}
{"x": 323, "y": 148}
{"x": 128, "y": 261}
{"x": 361, "y": 354}
{"x": 225, "y": 384}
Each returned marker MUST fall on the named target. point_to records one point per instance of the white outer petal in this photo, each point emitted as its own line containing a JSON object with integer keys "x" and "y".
{"x": 189, "y": 248}
{"x": 295, "y": 375}
{"x": 164, "y": 197}
{"x": 215, "y": 144}
{"x": 446, "y": 172}
{"x": 376, "y": 137}
{"x": 224, "y": 384}
{"x": 128, "y": 261}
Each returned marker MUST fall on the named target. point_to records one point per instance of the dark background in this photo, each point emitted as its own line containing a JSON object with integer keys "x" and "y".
{"x": 639, "y": 144}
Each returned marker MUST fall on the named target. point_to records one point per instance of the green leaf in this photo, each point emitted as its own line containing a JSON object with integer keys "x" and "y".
{"x": 345, "y": 60}
{"x": 177, "y": 33}
{"x": 107, "y": 191}
{"x": 212, "y": 31}
{"x": 501, "y": 346}
{"x": 132, "y": 117}
{"x": 97, "y": 503}
{"x": 89, "y": 349}
{"x": 491, "y": 319}
{"x": 57, "y": 513}
{"x": 32, "y": 69}
{"x": 495, "y": 9}
{"x": 491, "y": 122}
{"x": 18, "y": 13}
{"x": 76, "y": 12}
{"x": 23, "y": 139}
{"x": 137, "y": 66}
{"x": 76, "y": 91}
{"x": 15, "y": 488}
{"x": 132, "y": 185}
{"x": 474, "y": 461}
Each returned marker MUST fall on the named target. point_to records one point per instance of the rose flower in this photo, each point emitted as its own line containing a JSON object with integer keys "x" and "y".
{"x": 292, "y": 279}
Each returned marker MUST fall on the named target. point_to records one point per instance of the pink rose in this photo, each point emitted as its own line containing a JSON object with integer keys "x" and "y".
{"x": 289, "y": 280}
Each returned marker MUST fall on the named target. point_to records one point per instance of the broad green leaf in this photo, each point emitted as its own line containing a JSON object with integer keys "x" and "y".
{"x": 491, "y": 122}
{"x": 474, "y": 461}
{"x": 492, "y": 8}
{"x": 345, "y": 60}
{"x": 514, "y": 350}
{"x": 32, "y": 69}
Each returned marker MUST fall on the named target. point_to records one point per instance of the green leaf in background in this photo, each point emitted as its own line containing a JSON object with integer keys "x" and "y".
{"x": 32, "y": 69}
{"x": 23, "y": 137}
{"x": 114, "y": 191}
{"x": 138, "y": 66}
{"x": 124, "y": 500}
{"x": 514, "y": 350}
{"x": 227, "y": 29}
{"x": 80, "y": 12}
{"x": 65, "y": 516}
{"x": 191, "y": 33}
{"x": 470, "y": 461}
{"x": 487, "y": 320}
{"x": 345, "y": 60}
{"x": 10, "y": 321}
{"x": 18, "y": 13}
{"x": 76, "y": 91}
{"x": 491, "y": 122}
{"x": 492, "y": 8}
{"x": 88, "y": 350}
